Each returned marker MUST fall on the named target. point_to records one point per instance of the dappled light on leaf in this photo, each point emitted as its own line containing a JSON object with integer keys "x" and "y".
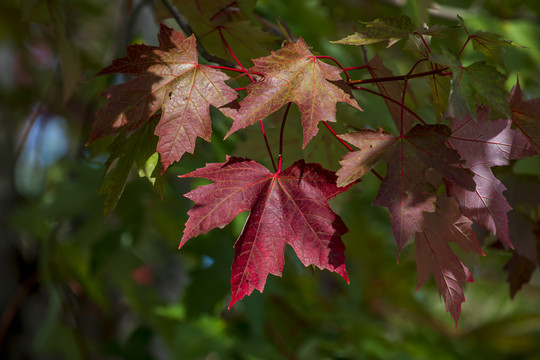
{"x": 169, "y": 78}
{"x": 485, "y": 143}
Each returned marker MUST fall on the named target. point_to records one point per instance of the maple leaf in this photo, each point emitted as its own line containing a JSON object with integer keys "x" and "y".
{"x": 473, "y": 85}
{"x": 526, "y": 116}
{"x": 405, "y": 191}
{"x": 485, "y": 143}
{"x": 393, "y": 90}
{"x": 490, "y": 44}
{"x": 288, "y": 207}
{"x": 294, "y": 74}
{"x": 434, "y": 255}
{"x": 170, "y": 78}
{"x": 389, "y": 28}
{"x": 392, "y": 29}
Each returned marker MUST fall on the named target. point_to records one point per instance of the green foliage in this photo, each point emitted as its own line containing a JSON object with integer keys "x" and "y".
{"x": 77, "y": 285}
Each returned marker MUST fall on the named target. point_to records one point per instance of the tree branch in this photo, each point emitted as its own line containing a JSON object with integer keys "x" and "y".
{"x": 399, "y": 77}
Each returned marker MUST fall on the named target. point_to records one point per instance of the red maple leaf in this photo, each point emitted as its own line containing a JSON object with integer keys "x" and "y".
{"x": 168, "y": 77}
{"x": 482, "y": 144}
{"x": 526, "y": 116}
{"x": 294, "y": 74}
{"x": 405, "y": 190}
{"x": 287, "y": 207}
{"x": 434, "y": 255}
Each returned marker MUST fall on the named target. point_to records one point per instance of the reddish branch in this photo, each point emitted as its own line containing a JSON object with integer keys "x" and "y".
{"x": 399, "y": 77}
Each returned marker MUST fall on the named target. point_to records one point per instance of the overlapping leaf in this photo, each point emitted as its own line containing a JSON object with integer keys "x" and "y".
{"x": 137, "y": 149}
{"x": 472, "y": 86}
{"x": 392, "y": 90}
{"x": 440, "y": 84}
{"x": 405, "y": 191}
{"x": 526, "y": 116}
{"x": 216, "y": 21}
{"x": 485, "y": 143}
{"x": 288, "y": 207}
{"x": 294, "y": 74}
{"x": 434, "y": 255}
{"x": 169, "y": 78}
{"x": 389, "y": 28}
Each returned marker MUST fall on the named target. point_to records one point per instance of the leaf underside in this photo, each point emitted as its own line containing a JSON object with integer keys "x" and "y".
{"x": 485, "y": 143}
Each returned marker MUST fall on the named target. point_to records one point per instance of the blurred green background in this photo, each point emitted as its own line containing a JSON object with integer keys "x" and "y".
{"x": 77, "y": 285}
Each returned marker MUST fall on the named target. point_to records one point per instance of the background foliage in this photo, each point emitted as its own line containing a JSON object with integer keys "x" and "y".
{"x": 78, "y": 286}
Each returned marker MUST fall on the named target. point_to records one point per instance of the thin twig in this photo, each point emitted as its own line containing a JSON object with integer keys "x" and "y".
{"x": 398, "y": 77}
{"x": 282, "y": 130}
{"x": 391, "y": 100}
{"x": 268, "y": 146}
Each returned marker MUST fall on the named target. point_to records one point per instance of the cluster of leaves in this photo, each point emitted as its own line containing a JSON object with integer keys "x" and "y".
{"x": 438, "y": 180}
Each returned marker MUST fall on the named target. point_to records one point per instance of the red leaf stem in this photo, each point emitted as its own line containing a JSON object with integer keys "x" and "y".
{"x": 223, "y": 10}
{"x": 268, "y": 146}
{"x": 337, "y": 137}
{"x": 349, "y": 147}
{"x": 227, "y": 68}
{"x": 253, "y": 81}
{"x": 356, "y": 67}
{"x": 232, "y": 53}
{"x": 424, "y": 41}
{"x": 337, "y": 63}
{"x": 282, "y": 130}
{"x": 463, "y": 47}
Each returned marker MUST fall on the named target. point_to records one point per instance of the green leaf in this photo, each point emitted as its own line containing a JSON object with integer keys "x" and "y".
{"x": 389, "y": 28}
{"x": 490, "y": 44}
{"x": 473, "y": 85}
{"x": 147, "y": 169}
{"x": 137, "y": 148}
